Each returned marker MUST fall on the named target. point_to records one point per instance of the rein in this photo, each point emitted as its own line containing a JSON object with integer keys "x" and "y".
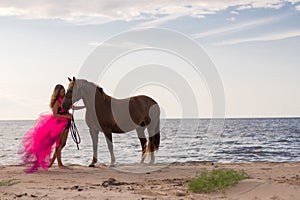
{"x": 74, "y": 132}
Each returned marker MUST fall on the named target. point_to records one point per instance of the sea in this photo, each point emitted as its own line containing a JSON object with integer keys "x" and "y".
{"x": 182, "y": 141}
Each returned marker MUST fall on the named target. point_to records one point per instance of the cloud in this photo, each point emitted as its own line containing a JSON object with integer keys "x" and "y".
{"x": 237, "y": 27}
{"x": 99, "y": 11}
{"x": 234, "y": 12}
{"x": 230, "y": 19}
{"x": 244, "y": 7}
{"x": 123, "y": 45}
{"x": 294, "y": 1}
{"x": 159, "y": 21}
{"x": 267, "y": 37}
{"x": 95, "y": 43}
{"x": 276, "y": 4}
{"x": 11, "y": 11}
{"x": 11, "y": 99}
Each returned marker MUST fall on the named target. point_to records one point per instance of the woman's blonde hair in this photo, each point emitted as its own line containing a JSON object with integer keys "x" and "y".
{"x": 55, "y": 94}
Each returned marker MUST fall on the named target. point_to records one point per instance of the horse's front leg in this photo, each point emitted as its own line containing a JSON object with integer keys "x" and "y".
{"x": 94, "y": 135}
{"x": 109, "y": 141}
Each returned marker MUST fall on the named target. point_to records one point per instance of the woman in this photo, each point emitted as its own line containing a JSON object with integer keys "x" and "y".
{"x": 63, "y": 135}
{"x": 49, "y": 129}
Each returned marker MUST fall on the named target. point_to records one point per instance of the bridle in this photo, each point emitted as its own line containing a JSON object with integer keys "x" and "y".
{"x": 73, "y": 129}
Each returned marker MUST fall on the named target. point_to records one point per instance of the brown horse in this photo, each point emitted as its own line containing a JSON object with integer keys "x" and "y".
{"x": 110, "y": 115}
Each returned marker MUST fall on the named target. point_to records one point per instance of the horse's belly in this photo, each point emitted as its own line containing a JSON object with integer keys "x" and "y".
{"x": 117, "y": 129}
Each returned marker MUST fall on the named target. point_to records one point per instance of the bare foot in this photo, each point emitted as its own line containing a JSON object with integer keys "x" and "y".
{"x": 63, "y": 167}
{"x": 51, "y": 164}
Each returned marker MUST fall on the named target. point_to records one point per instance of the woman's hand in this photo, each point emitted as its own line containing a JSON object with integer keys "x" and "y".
{"x": 69, "y": 116}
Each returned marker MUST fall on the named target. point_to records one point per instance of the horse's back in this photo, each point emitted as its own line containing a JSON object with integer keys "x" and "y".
{"x": 146, "y": 100}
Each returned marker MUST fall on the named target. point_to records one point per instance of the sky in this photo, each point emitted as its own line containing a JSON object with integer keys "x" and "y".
{"x": 254, "y": 45}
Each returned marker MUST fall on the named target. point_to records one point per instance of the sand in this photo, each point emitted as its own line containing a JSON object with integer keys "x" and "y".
{"x": 274, "y": 181}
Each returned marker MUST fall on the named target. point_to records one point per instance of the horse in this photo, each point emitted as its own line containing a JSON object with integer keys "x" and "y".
{"x": 110, "y": 115}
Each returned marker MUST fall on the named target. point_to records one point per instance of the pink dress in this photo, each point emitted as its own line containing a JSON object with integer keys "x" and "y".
{"x": 38, "y": 142}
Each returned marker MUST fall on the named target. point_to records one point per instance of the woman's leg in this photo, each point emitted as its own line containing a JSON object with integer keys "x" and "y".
{"x": 53, "y": 158}
{"x": 62, "y": 144}
{"x": 64, "y": 137}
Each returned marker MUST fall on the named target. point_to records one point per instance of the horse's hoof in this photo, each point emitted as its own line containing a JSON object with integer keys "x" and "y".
{"x": 112, "y": 165}
{"x": 92, "y": 165}
{"x": 151, "y": 162}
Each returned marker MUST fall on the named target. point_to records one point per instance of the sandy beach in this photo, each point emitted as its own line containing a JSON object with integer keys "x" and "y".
{"x": 267, "y": 181}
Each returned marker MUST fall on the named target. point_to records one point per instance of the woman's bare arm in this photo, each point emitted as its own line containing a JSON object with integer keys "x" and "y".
{"x": 77, "y": 107}
{"x": 55, "y": 112}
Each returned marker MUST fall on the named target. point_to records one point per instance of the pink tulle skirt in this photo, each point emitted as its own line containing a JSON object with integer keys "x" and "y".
{"x": 38, "y": 142}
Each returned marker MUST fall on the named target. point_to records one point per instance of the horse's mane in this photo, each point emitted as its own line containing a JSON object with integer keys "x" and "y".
{"x": 100, "y": 89}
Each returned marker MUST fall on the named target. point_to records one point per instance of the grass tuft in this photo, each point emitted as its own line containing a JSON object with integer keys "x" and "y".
{"x": 8, "y": 182}
{"x": 218, "y": 179}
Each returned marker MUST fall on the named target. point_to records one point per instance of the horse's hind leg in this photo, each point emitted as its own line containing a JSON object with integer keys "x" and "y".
{"x": 152, "y": 131}
{"x": 94, "y": 135}
{"x": 109, "y": 141}
{"x": 143, "y": 140}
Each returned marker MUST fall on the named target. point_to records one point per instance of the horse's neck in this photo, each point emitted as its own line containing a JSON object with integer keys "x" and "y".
{"x": 88, "y": 95}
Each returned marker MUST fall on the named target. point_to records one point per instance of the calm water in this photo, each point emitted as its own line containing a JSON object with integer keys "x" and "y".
{"x": 239, "y": 140}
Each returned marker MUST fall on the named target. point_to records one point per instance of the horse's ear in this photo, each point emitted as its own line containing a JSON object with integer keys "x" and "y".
{"x": 69, "y": 79}
{"x": 74, "y": 79}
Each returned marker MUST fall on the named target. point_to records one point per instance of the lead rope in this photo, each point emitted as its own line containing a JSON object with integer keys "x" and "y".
{"x": 74, "y": 131}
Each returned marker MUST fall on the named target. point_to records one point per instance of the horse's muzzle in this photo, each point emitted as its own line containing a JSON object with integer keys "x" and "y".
{"x": 65, "y": 106}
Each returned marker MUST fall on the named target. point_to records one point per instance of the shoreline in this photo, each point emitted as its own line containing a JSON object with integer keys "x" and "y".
{"x": 187, "y": 118}
{"x": 268, "y": 180}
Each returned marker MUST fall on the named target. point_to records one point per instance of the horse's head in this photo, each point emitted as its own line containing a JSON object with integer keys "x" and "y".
{"x": 73, "y": 94}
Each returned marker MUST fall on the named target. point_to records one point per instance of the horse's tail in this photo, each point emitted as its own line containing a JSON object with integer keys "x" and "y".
{"x": 153, "y": 140}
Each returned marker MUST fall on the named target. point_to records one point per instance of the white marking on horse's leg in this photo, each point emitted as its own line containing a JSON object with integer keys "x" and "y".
{"x": 109, "y": 141}
{"x": 154, "y": 131}
{"x": 143, "y": 140}
{"x": 152, "y": 158}
{"x": 150, "y": 145}
{"x": 94, "y": 135}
